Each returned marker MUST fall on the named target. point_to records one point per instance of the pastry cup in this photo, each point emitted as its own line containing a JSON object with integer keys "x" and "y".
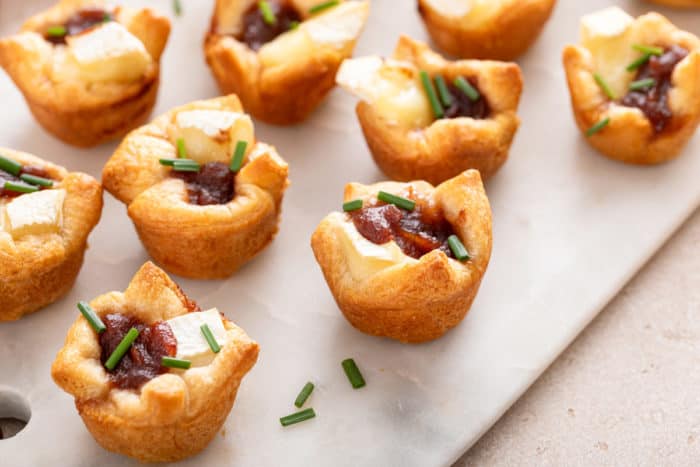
{"x": 497, "y": 30}
{"x": 176, "y": 414}
{"x": 403, "y": 298}
{"x": 286, "y": 79}
{"x": 436, "y": 150}
{"x": 38, "y": 269}
{"x": 630, "y": 137}
{"x": 190, "y": 240}
{"x": 72, "y": 103}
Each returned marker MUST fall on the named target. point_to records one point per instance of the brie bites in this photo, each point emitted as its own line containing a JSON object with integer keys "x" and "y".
{"x": 405, "y": 260}
{"x": 427, "y": 118}
{"x": 204, "y": 195}
{"x": 487, "y": 29}
{"x": 46, "y": 215}
{"x": 634, "y": 85}
{"x": 146, "y": 381}
{"x": 281, "y": 62}
{"x": 88, "y": 70}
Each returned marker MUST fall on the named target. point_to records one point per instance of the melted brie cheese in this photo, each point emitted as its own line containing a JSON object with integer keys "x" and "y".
{"x": 35, "y": 213}
{"x": 191, "y": 344}
{"x": 452, "y": 7}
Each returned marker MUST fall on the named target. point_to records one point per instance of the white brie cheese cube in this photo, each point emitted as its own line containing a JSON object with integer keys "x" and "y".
{"x": 36, "y": 213}
{"x": 452, "y": 8}
{"x": 191, "y": 344}
{"x": 338, "y": 26}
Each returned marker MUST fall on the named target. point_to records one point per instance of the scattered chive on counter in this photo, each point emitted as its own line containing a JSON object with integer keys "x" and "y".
{"x": 177, "y": 6}
{"x": 56, "y": 31}
{"x": 36, "y": 180}
{"x": 297, "y": 417}
{"x": 597, "y": 127}
{"x": 322, "y": 6}
{"x": 304, "y": 394}
{"x": 604, "y": 86}
{"x": 353, "y": 205}
{"x": 353, "y": 373}
{"x": 404, "y": 203}
{"x": 122, "y": 349}
{"x": 92, "y": 318}
{"x": 20, "y": 187}
{"x": 171, "y": 362}
{"x": 213, "y": 345}
{"x": 438, "y": 111}
{"x": 466, "y": 87}
{"x": 639, "y": 62}
{"x": 648, "y": 49}
{"x": 181, "y": 150}
{"x": 267, "y": 13}
{"x": 642, "y": 84}
{"x": 10, "y": 166}
{"x": 238, "y": 154}
{"x": 445, "y": 95}
{"x": 185, "y": 165}
{"x": 458, "y": 248}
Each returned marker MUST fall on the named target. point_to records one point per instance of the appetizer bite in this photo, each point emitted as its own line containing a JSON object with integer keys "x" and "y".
{"x": 204, "y": 195}
{"x": 280, "y": 56}
{"x": 498, "y": 30}
{"x": 46, "y": 215}
{"x": 634, "y": 85}
{"x": 153, "y": 376}
{"x": 427, "y": 118}
{"x": 88, "y": 70}
{"x": 405, "y": 260}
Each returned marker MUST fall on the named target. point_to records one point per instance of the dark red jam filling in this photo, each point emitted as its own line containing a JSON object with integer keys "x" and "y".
{"x": 213, "y": 184}
{"x": 654, "y": 100}
{"x": 463, "y": 106}
{"x": 80, "y": 21}
{"x": 416, "y": 232}
{"x": 142, "y": 362}
{"x": 8, "y": 177}
{"x": 257, "y": 32}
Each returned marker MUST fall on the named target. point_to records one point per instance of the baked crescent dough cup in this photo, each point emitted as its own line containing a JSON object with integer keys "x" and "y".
{"x": 199, "y": 241}
{"x": 607, "y": 40}
{"x": 394, "y": 295}
{"x": 288, "y": 77}
{"x": 491, "y": 29}
{"x": 99, "y": 85}
{"x": 42, "y": 245}
{"x": 406, "y": 141}
{"x": 174, "y": 415}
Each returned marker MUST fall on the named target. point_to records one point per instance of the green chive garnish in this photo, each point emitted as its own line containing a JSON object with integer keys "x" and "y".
{"x": 181, "y": 150}
{"x": 267, "y": 13}
{"x": 185, "y": 165}
{"x": 353, "y": 205}
{"x": 297, "y": 417}
{"x": 177, "y": 6}
{"x": 56, "y": 31}
{"x": 458, "y": 248}
{"x": 10, "y": 166}
{"x": 466, "y": 87}
{"x": 20, "y": 187}
{"x": 91, "y": 317}
{"x": 407, "y": 204}
{"x": 238, "y": 154}
{"x": 171, "y": 362}
{"x": 168, "y": 162}
{"x": 106, "y": 18}
{"x": 293, "y": 25}
{"x": 597, "y": 127}
{"x": 35, "y": 180}
{"x": 121, "y": 349}
{"x": 213, "y": 345}
{"x": 445, "y": 94}
{"x": 438, "y": 111}
{"x": 648, "y": 49}
{"x": 642, "y": 84}
{"x": 353, "y": 373}
{"x": 322, "y": 6}
{"x": 304, "y": 394}
{"x": 604, "y": 86}
{"x": 639, "y": 62}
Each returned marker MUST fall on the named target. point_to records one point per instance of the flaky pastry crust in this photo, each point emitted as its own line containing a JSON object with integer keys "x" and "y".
{"x": 411, "y": 300}
{"x": 489, "y": 29}
{"x": 176, "y": 414}
{"x": 77, "y": 110}
{"x": 203, "y": 242}
{"x": 630, "y": 136}
{"x": 36, "y": 270}
{"x": 286, "y": 90}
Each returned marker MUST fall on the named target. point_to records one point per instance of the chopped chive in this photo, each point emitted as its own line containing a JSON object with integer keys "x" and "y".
{"x": 304, "y": 394}
{"x": 20, "y": 187}
{"x": 35, "y": 180}
{"x": 213, "y": 345}
{"x": 353, "y": 373}
{"x": 267, "y": 13}
{"x": 323, "y": 6}
{"x": 404, "y": 203}
{"x": 121, "y": 349}
{"x": 445, "y": 95}
{"x": 177, "y": 6}
{"x": 297, "y": 417}
{"x": 604, "y": 86}
{"x": 642, "y": 84}
{"x": 353, "y": 205}
{"x": 466, "y": 87}
{"x": 171, "y": 362}
{"x": 458, "y": 248}
{"x": 185, "y": 165}
{"x": 56, "y": 31}
{"x": 293, "y": 25}
{"x": 92, "y": 318}
{"x": 648, "y": 49}
{"x": 597, "y": 127}
{"x": 168, "y": 162}
{"x": 438, "y": 111}
{"x": 181, "y": 149}
{"x": 10, "y": 166}
{"x": 639, "y": 62}
{"x": 107, "y": 18}
{"x": 238, "y": 154}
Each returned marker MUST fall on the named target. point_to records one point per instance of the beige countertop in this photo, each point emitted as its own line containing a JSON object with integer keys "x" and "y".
{"x": 627, "y": 391}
